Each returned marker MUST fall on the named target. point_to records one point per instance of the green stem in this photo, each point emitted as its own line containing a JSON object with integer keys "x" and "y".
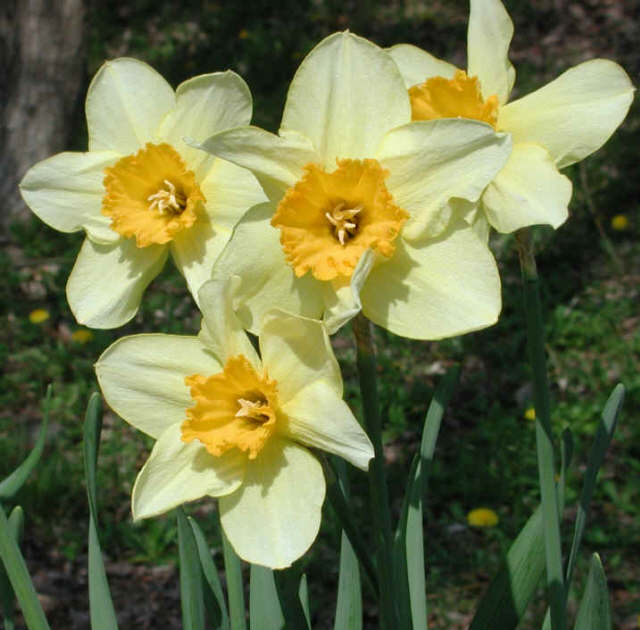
{"x": 544, "y": 435}
{"x": 378, "y": 492}
{"x": 235, "y": 588}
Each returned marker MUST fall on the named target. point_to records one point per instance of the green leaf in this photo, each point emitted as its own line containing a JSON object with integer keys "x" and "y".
{"x": 19, "y": 577}
{"x": 288, "y": 583}
{"x": 303, "y": 595}
{"x": 349, "y": 604}
{"x": 594, "y": 612}
{"x": 15, "y": 481}
{"x": 7, "y": 596}
{"x": 214, "y": 598}
{"x": 606, "y": 428}
{"x": 235, "y": 589}
{"x": 265, "y": 612}
{"x": 190, "y": 576}
{"x": 103, "y": 615}
{"x": 513, "y": 587}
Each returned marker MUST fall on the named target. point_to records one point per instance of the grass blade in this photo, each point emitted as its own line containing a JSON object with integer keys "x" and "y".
{"x": 103, "y": 615}
{"x": 594, "y": 612}
{"x": 214, "y": 600}
{"x": 19, "y": 577}
{"x": 15, "y": 481}
{"x": 235, "y": 589}
{"x": 608, "y": 422}
{"x": 265, "y": 612}
{"x": 190, "y": 576}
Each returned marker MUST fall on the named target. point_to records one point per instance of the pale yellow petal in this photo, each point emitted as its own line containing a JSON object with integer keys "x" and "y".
{"x": 342, "y": 297}
{"x": 142, "y": 378}
{"x": 575, "y": 114}
{"x": 318, "y": 417}
{"x": 126, "y": 102}
{"x": 276, "y": 161}
{"x": 274, "y": 517}
{"x": 431, "y": 162}
{"x": 177, "y": 472}
{"x": 296, "y": 352}
{"x": 529, "y": 190}
{"x": 254, "y": 253}
{"x": 205, "y": 105}
{"x": 417, "y": 65}
{"x": 65, "y": 191}
{"x": 107, "y": 281}
{"x": 222, "y": 331}
{"x": 346, "y": 94}
{"x": 435, "y": 288}
{"x": 488, "y": 38}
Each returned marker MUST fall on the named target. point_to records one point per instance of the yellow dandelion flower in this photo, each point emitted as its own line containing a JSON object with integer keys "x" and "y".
{"x": 243, "y": 34}
{"x": 530, "y": 413}
{"x": 620, "y": 222}
{"x": 81, "y": 336}
{"x": 39, "y": 316}
{"x": 482, "y": 517}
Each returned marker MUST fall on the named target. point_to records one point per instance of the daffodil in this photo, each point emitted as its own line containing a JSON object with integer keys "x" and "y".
{"x": 233, "y": 424}
{"x": 553, "y": 127}
{"x": 354, "y": 190}
{"x": 140, "y": 191}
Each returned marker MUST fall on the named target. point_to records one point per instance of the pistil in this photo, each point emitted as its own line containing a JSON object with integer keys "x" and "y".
{"x": 342, "y": 220}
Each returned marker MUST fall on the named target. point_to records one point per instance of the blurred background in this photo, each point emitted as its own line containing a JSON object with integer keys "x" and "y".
{"x": 485, "y": 455}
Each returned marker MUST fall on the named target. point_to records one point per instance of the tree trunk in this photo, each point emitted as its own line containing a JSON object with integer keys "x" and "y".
{"x": 42, "y": 65}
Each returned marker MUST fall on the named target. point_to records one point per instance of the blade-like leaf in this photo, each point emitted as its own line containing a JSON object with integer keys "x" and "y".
{"x": 349, "y": 604}
{"x": 288, "y": 589}
{"x": 15, "y": 481}
{"x": 265, "y": 612}
{"x": 103, "y": 615}
{"x": 235, "y": 590}
{"x": 513, "y": 587}
{"x": 7, "y": 596}
{"x": 190, "y": 576}
{"x": 303, "y": 595}
{"x": 19, "y": 577}
{"x": 601, "y": 442}
{"x": 214, "y": 597}
{"x": 594, "y": 612}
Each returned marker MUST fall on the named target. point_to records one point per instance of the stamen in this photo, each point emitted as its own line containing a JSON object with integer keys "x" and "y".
{"x": 340, "y": 219}
{"x": 254, "y": 409}
{"x": 167, "y": 201}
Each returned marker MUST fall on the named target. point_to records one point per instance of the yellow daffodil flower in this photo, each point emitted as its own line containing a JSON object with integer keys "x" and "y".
{"x": 140, "y": 191}
{"x": 482, "y": 517}
{"x": 553, "y": 127}
{"x": 354, "y": 189}
{"x": 39, "y": 316}
{"x": 235, "y": 425}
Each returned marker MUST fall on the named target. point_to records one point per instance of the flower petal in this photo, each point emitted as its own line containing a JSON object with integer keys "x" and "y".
{"x": 488, "y": 38}
{"x": 177, "y": 472}
{"x": 276, "y": 161}
{"x": 222, "y": 331}
{"x": 318, "y": 417}
{"x": 206, "y": 105}
{"x": 126, "y": 102}
{"x": 575, "y": 114}
{"x": 65, "y": 191}
{"x": 430, "y": 162}
{"x": 346, "y": 94}
{"x": 254, "y": 253}
{"x": 142, "y": 378}
{"x": 296, "y": 352}
{"x": 435, "y": 288}
{"x": 107, "y": 281}
{"x": 274, "y": 517}
{"x": 529, "y": 190}
{"x": 417, "y": 65}
{"x": 342, "y": 299}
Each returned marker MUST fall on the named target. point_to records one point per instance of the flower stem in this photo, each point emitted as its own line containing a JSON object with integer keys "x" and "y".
{"x": 544, "y": 435}
{"x": 378, "y": 492}
{"x": 235, "y": 589}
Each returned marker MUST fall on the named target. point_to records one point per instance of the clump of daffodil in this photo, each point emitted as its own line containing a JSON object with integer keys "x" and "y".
{"x": 140, "y": 191}
{"x": 39, "y": 316}
{"x": 553, "y": 127}
{"x": 354, "y": 187}
{"x": 482, "y": 517}
{"x": 232, "y": 424}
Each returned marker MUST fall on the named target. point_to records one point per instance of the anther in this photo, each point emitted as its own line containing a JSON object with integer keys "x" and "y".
{"x": 167, "y": 201}
{"x": 340, "y": 218}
